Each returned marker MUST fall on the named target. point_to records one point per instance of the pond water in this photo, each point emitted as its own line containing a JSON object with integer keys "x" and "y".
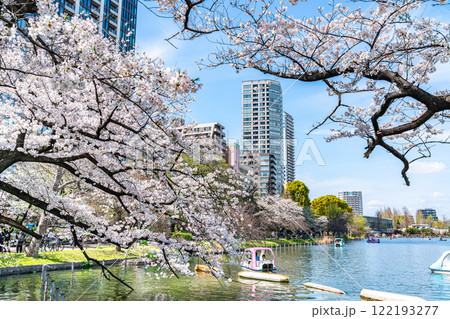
{"x": 399, "y": 265}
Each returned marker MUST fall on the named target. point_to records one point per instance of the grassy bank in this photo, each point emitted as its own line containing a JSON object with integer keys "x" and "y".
{"x": 66, "y": 256}
{"x": 103, "y": 253}
{"x": 274, "y": 242}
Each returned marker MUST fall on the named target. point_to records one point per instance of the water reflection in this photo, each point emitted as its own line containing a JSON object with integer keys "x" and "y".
{"x": 399, "y": 266}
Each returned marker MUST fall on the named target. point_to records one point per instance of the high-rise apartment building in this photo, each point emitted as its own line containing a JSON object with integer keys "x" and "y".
{"x": 233, "y": 156}
{"x": 353, "y": 199}
{"x": 261, "y": 169}
{"x": 208, "y": 140}
{"x": 116, "y": 19}
{"x": 262, "y": 111}
{"x": 288, "y": 148}
{"x": 428, "y": 212}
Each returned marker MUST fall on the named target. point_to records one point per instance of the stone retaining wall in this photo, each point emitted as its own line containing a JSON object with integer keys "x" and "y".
{"x": 8, "y": 271}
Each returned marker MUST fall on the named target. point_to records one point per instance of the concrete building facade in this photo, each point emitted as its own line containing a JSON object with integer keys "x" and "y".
{"x": 116, "y": 19}
{"x": 233, "y": 156}
{"x": 353, "y": 199}
{"x": 261, "y": 169}
{"x": 262, "y": 111}
{"x": 288, "y": 148}
{"x": 208, "y": 140}
{"x": 428, "y": 212}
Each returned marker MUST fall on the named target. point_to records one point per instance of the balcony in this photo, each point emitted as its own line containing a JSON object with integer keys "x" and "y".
{"x": 113, "y": 9}
{"x": 70, "y": 6}
{"x": 95, "y": 9}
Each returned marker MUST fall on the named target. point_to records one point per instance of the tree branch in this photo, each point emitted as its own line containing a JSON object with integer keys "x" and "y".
{"x": 104, "y": 269}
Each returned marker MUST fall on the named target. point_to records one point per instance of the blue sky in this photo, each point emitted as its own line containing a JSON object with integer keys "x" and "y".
{"x": 345, "y": 168}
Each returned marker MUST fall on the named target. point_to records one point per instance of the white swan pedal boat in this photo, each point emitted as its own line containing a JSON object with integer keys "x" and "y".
{"x": 442, "y": 265}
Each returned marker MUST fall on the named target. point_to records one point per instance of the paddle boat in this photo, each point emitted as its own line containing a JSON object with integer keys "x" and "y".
{"x": 338, "y": 242}
{"x": 259, "y": 263}
{"x": 205, "y": 269}
{"x": 442, "y": 265}
{"x": 372, "y": 240}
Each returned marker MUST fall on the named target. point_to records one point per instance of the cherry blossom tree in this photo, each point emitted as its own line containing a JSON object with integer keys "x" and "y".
{"x": 384, "y": 50}
{"x": 276, "y": 213}
{"x": 72, "y": 101}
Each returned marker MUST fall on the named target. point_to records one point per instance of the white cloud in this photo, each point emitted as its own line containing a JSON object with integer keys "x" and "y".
{"x": 427, "y": 167}
{"x": 373, "y": 203}
{"x": 157, "y": 49}
{"x": 436, "y": 195}
{"x": 372, "y": 206}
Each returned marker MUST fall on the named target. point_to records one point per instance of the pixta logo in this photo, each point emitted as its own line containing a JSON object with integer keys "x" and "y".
{"x": 309, "y": 152}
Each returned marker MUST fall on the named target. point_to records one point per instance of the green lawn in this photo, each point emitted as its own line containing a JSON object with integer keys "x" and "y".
{"x": 11, "y": 260}
{"x": 101, "y": 253}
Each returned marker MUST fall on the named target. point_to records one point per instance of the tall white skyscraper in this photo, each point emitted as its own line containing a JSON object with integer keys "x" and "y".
{"x": 353, "y": 199}
{"x": 262, "y": 111}
{"x": 116, "y": 18}
{"x": 288, "y": 148}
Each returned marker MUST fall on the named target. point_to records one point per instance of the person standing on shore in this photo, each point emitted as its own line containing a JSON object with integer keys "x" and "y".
{"x": 20, "y": 242}
{"x": 7, "y": 239}
{"x": 2, "y": 240}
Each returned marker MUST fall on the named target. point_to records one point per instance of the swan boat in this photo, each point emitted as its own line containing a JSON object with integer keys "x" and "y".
{"x": 442, "y": 265}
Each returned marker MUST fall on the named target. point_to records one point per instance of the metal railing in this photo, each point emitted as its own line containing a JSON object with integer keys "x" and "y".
{"x": 49, "y": 288}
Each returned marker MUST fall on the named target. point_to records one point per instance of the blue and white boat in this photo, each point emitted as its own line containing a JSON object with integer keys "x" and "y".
{"x": 442, "y": 265}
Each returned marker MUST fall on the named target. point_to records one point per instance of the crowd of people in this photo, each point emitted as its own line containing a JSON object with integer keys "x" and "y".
{"x": 15, "y": 241}
{"x": 11, "y": 238}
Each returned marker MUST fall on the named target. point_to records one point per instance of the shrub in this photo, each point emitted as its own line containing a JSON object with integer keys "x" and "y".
{"x": 186, "y": 236}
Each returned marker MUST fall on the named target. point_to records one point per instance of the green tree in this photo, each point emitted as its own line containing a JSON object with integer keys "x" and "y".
{"x": 309, "y": 216}
{"x": 408, "y": 219}
{"x": 298, "y": 192}
{"x": 339, "y": 219}
{"x": 206, "y": 167}
{"x": 329, "y": 205}
{"x": 399, "y": 221}
{"x": 419, "y": 218}
{"x": 438, "y": 224}
{"x": 358, "y": 226}
{"x": 429, "y": 220}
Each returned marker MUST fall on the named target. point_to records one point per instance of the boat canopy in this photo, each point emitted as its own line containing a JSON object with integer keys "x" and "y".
{"x": 254, "y": 255}
{"x": 443, "y": 263}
